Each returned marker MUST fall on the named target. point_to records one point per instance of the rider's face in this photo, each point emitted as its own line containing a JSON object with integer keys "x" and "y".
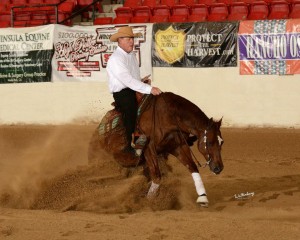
{"x": 126, "y": 43}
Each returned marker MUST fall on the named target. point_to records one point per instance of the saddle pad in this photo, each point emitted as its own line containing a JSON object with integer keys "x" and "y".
{"x": 113, "y": 117}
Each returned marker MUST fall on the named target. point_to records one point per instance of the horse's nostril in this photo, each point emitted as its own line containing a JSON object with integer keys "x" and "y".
{"x": 217, "y": 170}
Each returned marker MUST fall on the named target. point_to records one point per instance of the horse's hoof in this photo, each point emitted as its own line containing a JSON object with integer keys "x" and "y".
{"x": 202, "y": 200}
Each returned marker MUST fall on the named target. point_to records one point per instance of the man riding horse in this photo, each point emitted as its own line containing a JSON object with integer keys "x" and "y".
{"x": 124, "y": 81}
{"x": 168, "y": 122}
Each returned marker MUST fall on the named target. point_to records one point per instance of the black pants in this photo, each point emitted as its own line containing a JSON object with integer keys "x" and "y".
{"x": 127, "y": 103}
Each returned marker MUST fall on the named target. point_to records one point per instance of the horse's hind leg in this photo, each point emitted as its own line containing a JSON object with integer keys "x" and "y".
{"x": 183, "y": 154}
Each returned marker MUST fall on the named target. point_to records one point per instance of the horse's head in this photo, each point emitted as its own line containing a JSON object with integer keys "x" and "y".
{"x": 210, "y": 144}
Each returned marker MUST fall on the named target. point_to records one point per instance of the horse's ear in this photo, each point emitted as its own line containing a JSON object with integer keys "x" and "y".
{"x": 219, "y": 123}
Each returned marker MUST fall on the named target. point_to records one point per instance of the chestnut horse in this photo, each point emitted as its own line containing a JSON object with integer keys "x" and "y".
{"x": 171, "y": 124}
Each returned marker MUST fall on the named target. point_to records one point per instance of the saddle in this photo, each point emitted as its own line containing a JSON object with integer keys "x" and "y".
{"x": 112, "y": 123}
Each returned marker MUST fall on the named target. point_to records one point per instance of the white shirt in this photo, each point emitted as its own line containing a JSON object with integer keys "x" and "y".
{"x": 123, "y": 72}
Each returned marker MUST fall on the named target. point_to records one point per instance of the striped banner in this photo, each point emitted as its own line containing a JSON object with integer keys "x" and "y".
{"x": 269, "y": 47}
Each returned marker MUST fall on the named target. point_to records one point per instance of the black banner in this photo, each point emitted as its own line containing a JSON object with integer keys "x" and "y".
{"x": 26, "y": 54}
{"x": 205, "y": 44}
{"x": 24, "y": 67}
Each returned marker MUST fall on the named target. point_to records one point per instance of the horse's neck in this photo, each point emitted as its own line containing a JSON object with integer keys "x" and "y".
{"x": 191, "y": 118}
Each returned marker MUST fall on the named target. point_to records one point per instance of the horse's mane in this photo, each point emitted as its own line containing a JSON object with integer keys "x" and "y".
{"x": 185, "y": 109}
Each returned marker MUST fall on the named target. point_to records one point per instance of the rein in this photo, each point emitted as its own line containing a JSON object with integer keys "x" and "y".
{"x": 192, "y": 153}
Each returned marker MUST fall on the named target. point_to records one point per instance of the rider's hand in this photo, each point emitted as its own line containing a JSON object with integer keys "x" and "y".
{"x": 146, "y": 80}
{"x": 155, "y": 91}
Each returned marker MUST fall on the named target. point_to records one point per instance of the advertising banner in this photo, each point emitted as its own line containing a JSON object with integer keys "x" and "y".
{"x": 81, "y": 53}
{"x": 269, "y": 47}
{"x": 203, "y": 44}
{"x": 25, "y": 54}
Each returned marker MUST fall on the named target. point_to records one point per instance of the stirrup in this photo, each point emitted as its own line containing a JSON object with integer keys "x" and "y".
{"x": 202, "y": 200}
{"x": 140, "y": 142}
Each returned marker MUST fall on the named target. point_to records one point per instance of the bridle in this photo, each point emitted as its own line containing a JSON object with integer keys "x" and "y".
{"x": 206, "y": 149}
{"x": 204, "y": 140}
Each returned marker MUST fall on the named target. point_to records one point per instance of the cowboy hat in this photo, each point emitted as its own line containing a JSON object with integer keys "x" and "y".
{"x": 124, "y": 32}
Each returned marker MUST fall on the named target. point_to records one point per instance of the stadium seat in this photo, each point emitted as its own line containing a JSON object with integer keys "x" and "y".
{"x": 4, "y": 8}
{"x": 181, "y": 10}
{"x": 132, "y": 3}
{"x": 124, "y": 12}
{"x": 188, "y": 2}
{"x": 207, "y": 2}
{"x": 178, "y": 18}
{"x": 61, "y": 17}
{"x": 238, "y": 11}
{"x": 150, "y": 3}
{"x": 4, "y": 24}
{"x": 218, "y": 12}
{"x": 18, "y": 2}
{"x": 20, "y": 24}
{"x": 22, "y": 16}
{"x": 279, "y": 10}
{"x": 39, "y": 15}
{"x": 169, "y": 3}
{"x": 34, "y": 23}
{"x": 142, "y": 11}
{"x": 196, "y": 18}
{"x": 159, "y": 18}
{"x": 228, "y": 2}
{"x": 199, "y": 10}
{"x": 81, "y": 3}
{"x": 258, "y": 11}
{"x": 295, "y": 10}
{"x": 162, "y": 10}
{"x": 103, "y": 20}
{"x": 5, "y": 17}
{"x": 140, "y": 19}
{"x": 66, "y": 7}
{"x": 36, "y": 2}
{"x": 122, "y": 20}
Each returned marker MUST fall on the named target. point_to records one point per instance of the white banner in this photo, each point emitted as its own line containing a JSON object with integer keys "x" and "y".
{"x": 25, "y": 54}
{"x": 81, "y": 52}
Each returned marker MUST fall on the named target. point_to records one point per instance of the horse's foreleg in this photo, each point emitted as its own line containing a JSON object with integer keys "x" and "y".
{"x": 200, "y": 189}
{"x": 184, "y": 156}
{"x": 151, "y": 159}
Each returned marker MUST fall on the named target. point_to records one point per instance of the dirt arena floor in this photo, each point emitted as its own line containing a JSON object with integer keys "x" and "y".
{"x": 48, "y": 191}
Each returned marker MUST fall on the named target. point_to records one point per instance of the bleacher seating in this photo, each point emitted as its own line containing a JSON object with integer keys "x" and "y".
{"x": 218, "y": 12}
{"x": 26, "y": 12}
{"x": 169, "y": 3}
{"x": 140, "y": 19}
{"x": 142, "y": 11}
{"x": 238, "y": 11}
{"x": 122, "y": 20}
{"x": 258, "y": 11}
{"x": 162, "y": 10}
{"x": 132, "y": 3}
{"x": 103, "y": 20}
{"x": 198, "y": 11}
{"x": 295, "y": 10}
{"x": 188, "y": 2}
{"x": 150, "y": 3}
{"x": 124, "y": 12}
{"x": 159, "y": 18}
{"x": 279, "y": 10}
{"x": 180, "y": 10}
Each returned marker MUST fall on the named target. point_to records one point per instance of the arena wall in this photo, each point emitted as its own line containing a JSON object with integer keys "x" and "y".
{"x": 242, "y": 101}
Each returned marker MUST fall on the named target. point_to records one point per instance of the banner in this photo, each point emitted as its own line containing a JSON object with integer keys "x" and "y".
{"x": 25, "y": 54}
{"x": 81, "y": 53}
{"x": 203, "y": 44}
{"x": 269, "y": 47}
